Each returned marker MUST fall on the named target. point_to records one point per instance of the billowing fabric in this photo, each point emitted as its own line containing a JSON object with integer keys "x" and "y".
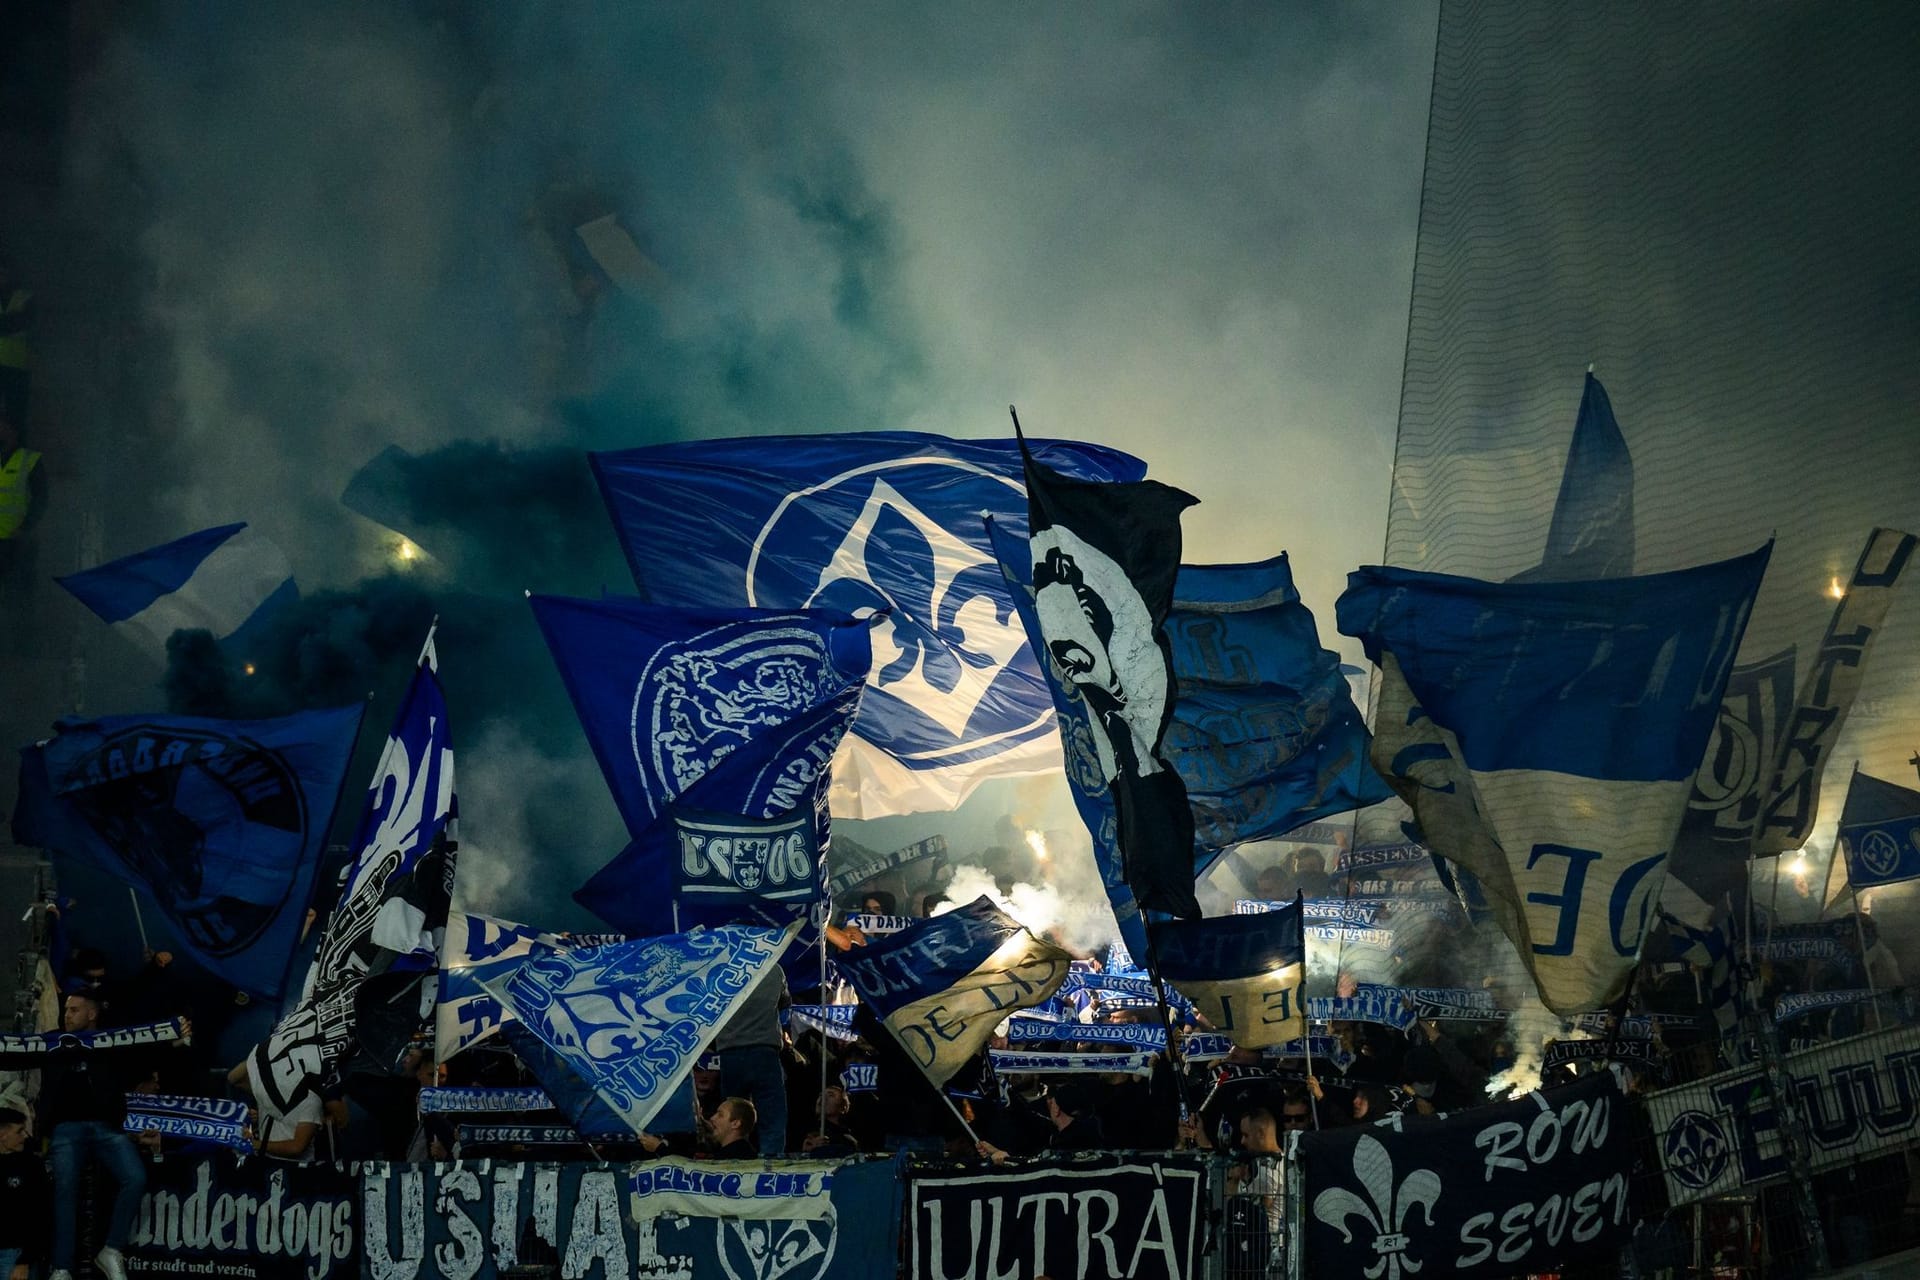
{"x": 1245, "y": 974}
{"x": 1546, "y": 736}
{"x": 944, "y": 985}
{"x": 613, "y": 1032}
{"x": 392, "y": 915}
{"x": 866, "y": 520}
{"x": 716, "y": 730}
{"x": 219, "y": 824}
{"x": 220, "y": 580}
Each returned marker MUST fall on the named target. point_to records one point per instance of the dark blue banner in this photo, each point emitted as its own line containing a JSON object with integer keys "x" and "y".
{"x": 219, "y": 823}
{"x": 1500, "y": 1190}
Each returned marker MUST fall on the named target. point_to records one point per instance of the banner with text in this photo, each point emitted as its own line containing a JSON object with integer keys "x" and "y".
{"x": 1140, "y": 1219}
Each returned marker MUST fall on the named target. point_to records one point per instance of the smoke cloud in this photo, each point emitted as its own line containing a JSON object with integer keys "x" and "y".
{"x": 335, "y": 249}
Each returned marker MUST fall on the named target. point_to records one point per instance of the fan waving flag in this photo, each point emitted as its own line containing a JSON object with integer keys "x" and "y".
{"x": 219, "y": 824}
{"x": 1245, "y": 974}
{"x": 613, "y": 1032}
{"x": 867, "y": 520}
{"x": 1104, "y": 557}
{"x": 1546, "y": 736}
{"x": 1880, "y": 832}
{"x": 942, "y": 985}
{"x": 716, "y": 730}
{"x": 386, "y": 932}
{"x": 218, "y": 580}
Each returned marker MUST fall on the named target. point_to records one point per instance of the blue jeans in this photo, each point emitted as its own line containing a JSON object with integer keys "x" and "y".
{"x": 755, "y": 1073}
{"x": 8, "y": 1259}
{"x": 73, "y": 1141}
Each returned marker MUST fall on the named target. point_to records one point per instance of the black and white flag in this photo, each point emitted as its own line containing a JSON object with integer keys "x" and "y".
{"x": 1105, "y": 556}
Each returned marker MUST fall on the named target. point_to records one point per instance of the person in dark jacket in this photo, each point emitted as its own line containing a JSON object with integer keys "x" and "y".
{"x": 26, "y": 1196}
{"x": 1076, "y": 1127}
{"x": 83, "y": 1108}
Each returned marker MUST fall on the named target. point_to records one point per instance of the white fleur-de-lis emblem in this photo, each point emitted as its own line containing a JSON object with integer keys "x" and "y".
{"x": 1388, "y": 1212}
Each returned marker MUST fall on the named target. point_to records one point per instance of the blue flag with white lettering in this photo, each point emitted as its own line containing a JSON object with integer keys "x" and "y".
{"x": 1546, "y": 736}
{"x": 219, "y": 823}
{"x": 944, "y": 984}
{"x": 615, "y": 1031}
{"x": 1245, "y": 974}
{"x": 716, "y": 730}
{"x": 1880, "y": 832}
{"x": 867, "y": 520}
{"x": 383, "y": 939}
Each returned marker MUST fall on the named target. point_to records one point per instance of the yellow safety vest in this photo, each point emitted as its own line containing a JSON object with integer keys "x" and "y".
{"x": 13, "y": 346}
{"x": 14, "y": 494}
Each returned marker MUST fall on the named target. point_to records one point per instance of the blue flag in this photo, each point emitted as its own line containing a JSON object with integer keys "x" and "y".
{"x": 220, "y": 823}
{"x": 1546, "y": 736}
{"x": 219, "y": 580}
{"x": 867, "y": 520}
{"x": 385, "y": 933}
{"x": 1592, "y": 531}
{"x": 1264, "y": 729}
{"x": 716, "y": 730}
{"x": 614, "y": 1031}
{"x": 1264, "y": 732}
{"x": 1245, "y": 974}
{"x": 943, "y": 985}
{"x": 1880, "y": 832}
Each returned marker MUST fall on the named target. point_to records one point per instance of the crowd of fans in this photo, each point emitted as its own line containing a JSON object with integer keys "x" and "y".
{"x": 768, "y": 1086}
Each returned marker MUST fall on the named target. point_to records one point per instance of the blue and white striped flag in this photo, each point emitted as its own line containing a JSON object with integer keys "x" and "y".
{"x": 1547, "y": 734}
{"x": 942, "y": 986}
{"x": 218, "y": 580}
{"x": 1246, "y": 975}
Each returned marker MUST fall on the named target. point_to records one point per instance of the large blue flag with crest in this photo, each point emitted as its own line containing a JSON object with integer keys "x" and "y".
{"x": 613, "y": 1032}
{"x": 867, "y": 520}
{"x": 1547, "y": 734}
{"x": 385, "y": 934}
{"x": 220, "y": 823}
{"x": 716, "y": 730}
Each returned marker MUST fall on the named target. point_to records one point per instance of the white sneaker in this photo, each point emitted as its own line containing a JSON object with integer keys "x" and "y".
{"x": 61, "y": 1274}
{"x": 112, "y": 1264}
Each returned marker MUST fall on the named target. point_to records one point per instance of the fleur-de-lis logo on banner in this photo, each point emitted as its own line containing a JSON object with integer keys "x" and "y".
{"x": 1388, "y": 1212}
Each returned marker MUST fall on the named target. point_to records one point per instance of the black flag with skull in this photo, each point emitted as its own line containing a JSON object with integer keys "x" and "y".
{"x": 1105, "y": 556}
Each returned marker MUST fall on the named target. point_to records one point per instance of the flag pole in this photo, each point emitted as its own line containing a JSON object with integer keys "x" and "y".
{"x": 1306, "y": 1023}
{"x": 1860, "y": 934}
{"x": 141, "y": 920}
{"x": 942, "y": 1091}
{"x": 823, "y": 1029}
